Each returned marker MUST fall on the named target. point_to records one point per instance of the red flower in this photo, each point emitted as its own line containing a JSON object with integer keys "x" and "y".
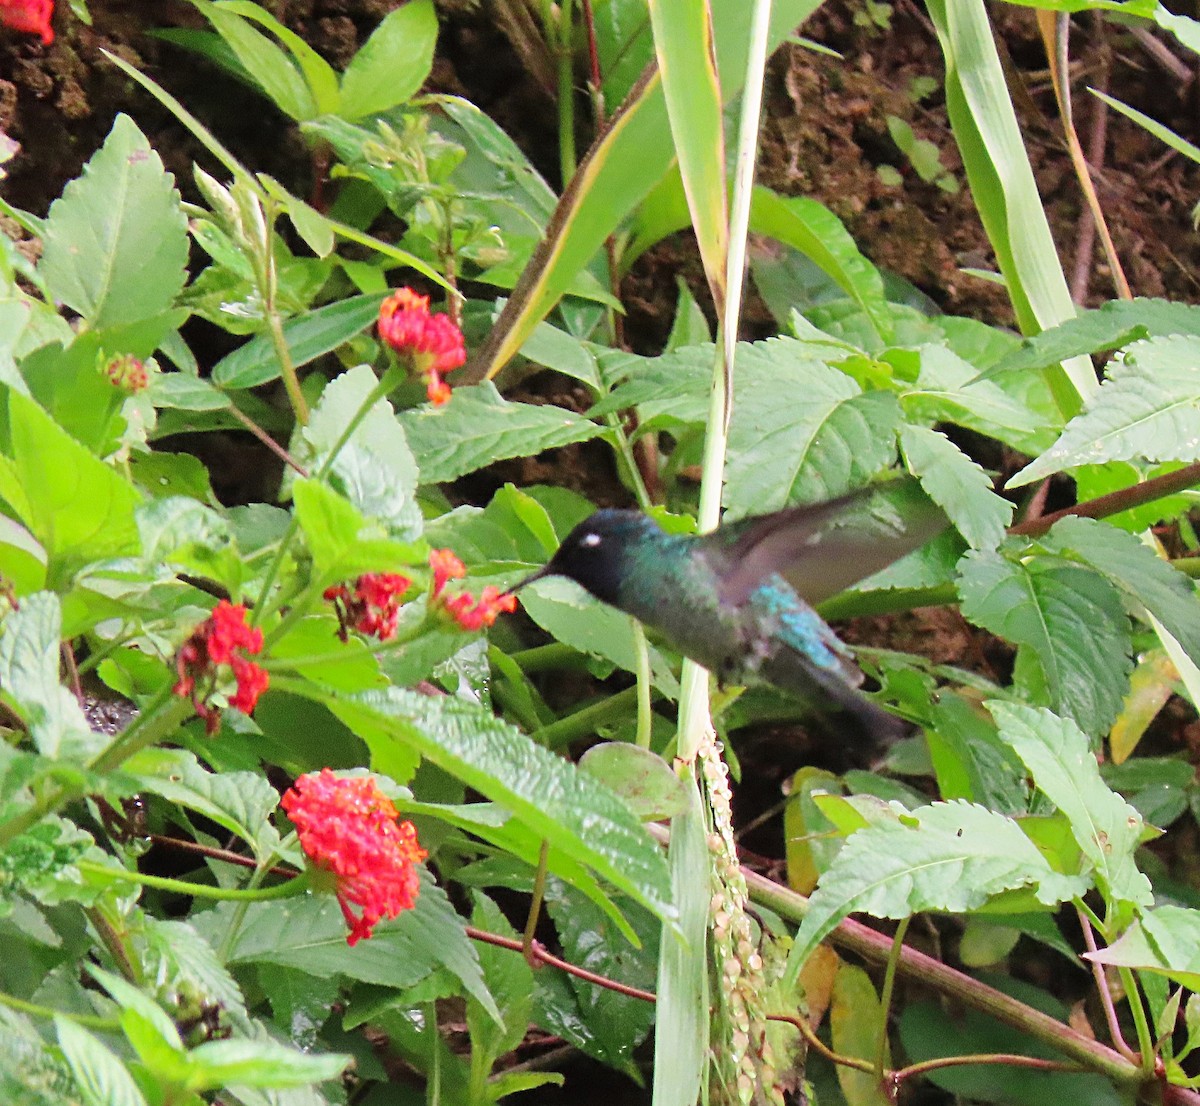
{"x": 446, "y": 566}
{"x": 348, "y": 827}
{"x": 373, "y": 608}
{"x": 126, "y": 371}
{"x": 212, "y": 643}
{"x": 476, "y": 615}
{"x": 433, "y": 344}
{"x": 32, "y": 16}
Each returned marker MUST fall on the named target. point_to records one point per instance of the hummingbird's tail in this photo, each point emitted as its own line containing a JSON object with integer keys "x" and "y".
{"x": 867, "y": 731}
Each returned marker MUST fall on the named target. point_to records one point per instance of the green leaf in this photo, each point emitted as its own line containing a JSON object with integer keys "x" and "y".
{"x": 1164, "y": 940}
{"x": 272, "y": 70}
{"x": 572, "y": 616}
{"x": 308, "y": 337}
{"x": 615, "y": 1024}
{"x": 374, "y": 469}
{"x": 814, "y": 230}
{"x": 625, "y": 162}
{"x": 392, "y": 64}
{"x": 187, "y": 393}
{"x": 189, "y": 536}
{"x": 567, "y": 807}
{"x": 642, "y": 778}
{"x": 478, "y": 427}
{"x": 1147, "y": 408}
{"x": 1072, "y": 632}
{"x": 79, "y": 508}
{"x": 241, "y": 802}
{"x": 30, "y": 639}
{"x": 947, "y": 857}
{"x": 827, "y": 438}
{"x": 509, "y": 978}
{"x": 956, "y": 484}
{"x": 214, "y": 1065}
{"x": 100, "y": 1076}
{"x": 310, "y": 934}
{"x": 1112, "y": 326}
{"x": 319, "y": 75}
{"x": 687, "y": 65}
{"x": 1064, "y": 769}
{"x": 1134, "y": 569}
{"x": 116, "y": 241}
{"x": 856, "y": 1020}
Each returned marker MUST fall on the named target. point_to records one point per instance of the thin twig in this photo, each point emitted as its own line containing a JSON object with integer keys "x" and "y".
{"x": 1102, "y": 988}
{"x": 544, "y": 957}
{"x": 267, "y": 440}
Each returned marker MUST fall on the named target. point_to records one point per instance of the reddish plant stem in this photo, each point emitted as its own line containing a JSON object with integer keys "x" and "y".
{"x": 1115, "y": 502}
{"x": 267, "y": 440}
{"x": 1106, "y": 999}
{"x": 538, "y": 951}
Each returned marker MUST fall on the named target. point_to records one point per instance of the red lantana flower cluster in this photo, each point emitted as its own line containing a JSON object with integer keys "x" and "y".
{"x": 32, "y": 16}
{"x": 349, "y": 828}
{"x": 127, "y": 373}
{"x": 371, "y": 605}
{"x": 470, "y": 613}
{"x": 433, "y": 344}
{"x": 223, "y": 638}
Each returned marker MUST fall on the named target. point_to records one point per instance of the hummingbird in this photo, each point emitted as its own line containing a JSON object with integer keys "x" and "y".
{"x": 737, "y": 599}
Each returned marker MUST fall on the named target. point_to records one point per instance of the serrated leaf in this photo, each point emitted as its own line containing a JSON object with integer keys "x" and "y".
{"x": 308, "y": 337}
{"x": 30, "y": 641}
{"x": 116, "y": 242}
{"x": 310, "y": 934}
{"x": 191, "y": 536}
{"x": 509, "y": 978}
{"x": 827, "y": 438}
{"x": 949, "y": 389}
{"x": 1064, "y": 769}
{"x": 242, "y": 802}
{"x": 100, "y": 1076}
{"x": 1068, "y": 622}
{"x": 478, "y": 427}
{"x": 1111, "y": 326}
{"x": 1144, "y": 578}
{"x": 1148, "y": 407}
{"x": 956, "y": 484}
{"x": 947, "y": 856}
{"x": 79, "y": 508}
{"x": 374, "y": 468}
{"x": 616, "y": 1024}
{"x": 392, "y": 64}
{"x": 568, "y": 808}
{"x": 181, "y": 959}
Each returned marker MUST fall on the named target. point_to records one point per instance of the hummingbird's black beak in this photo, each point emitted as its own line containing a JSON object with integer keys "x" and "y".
{"x": 540, "y": 574}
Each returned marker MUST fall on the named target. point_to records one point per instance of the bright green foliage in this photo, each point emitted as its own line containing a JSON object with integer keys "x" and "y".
{"x": 530, "y": 752}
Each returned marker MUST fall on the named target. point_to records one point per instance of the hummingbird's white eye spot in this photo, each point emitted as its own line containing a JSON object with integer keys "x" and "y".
{"x": 590, "y": 541}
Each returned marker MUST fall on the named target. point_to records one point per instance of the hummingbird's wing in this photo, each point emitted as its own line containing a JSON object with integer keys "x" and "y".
{"x": 824, "y": 548}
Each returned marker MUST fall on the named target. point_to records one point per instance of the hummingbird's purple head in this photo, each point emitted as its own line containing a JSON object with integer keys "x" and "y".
{"x": 593, "y": 554}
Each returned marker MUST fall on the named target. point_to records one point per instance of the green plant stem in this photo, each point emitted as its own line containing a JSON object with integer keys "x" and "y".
{"x": 877, "y": 949}
{"x": 627, "y": 462}
{"x": 381, "y": 389}
{"x": 33, "y": 1010}
{"x": 568, "y": 157}
{"x": 645, "y": 715}
{"x": 853, "y": 604}
{"x": 885, "y": 997}
{"x": 584, "y": 723}
{"x": 548, "y": 658}
{"x": 1133, "y": 996}
{"x": 535, "y": 903}
{"x": 197, "y": 890}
